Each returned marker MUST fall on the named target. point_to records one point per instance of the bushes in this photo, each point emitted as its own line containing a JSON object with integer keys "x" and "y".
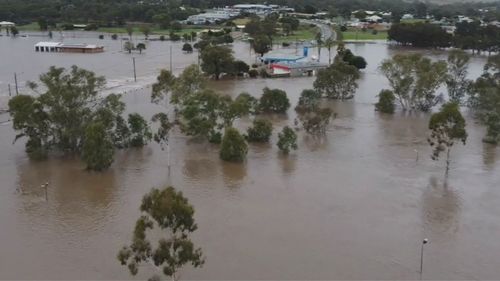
{"x": 261, "y": 131}
{"x": 234, "y": 147}
{"x": 385, "y": 102}
{"x": 287, "y": 140}
{"x": 253, "y": 73}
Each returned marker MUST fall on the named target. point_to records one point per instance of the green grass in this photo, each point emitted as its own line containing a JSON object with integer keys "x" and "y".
{"x": 358, "y": 34}
{"x": 122, "y": 30}
{"x": 29, "y": 27}
{"x": 305, "y": 32}
{"x": 412, "y": 20}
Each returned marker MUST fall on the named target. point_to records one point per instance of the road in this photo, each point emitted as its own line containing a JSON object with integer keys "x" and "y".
{"x": 325, "y": 29}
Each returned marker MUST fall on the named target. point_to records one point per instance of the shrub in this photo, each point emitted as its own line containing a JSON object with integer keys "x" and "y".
{"x": 261, "y": 131}
{"x": 343, "y": 28}
{"x": 253, "y": 73}
{"x": 287, "y": 140}
{"x": 234, "y": 147}
{"x": 162, "y": 37}
{"x": 263, "y": 73}
{"x": 385, "y": 102}
{"x": 114, "y": 36}
{"x": 101, "y": 36}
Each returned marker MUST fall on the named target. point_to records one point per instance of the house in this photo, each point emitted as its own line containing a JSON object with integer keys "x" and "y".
{"x": 374, "y": 19}
{"x": 55, "y": 47}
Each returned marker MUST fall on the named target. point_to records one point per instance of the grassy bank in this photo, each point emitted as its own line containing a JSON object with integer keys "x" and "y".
{"x": 123, "y": 30}
{"x": 358, "y": 34}
{"x": 304, "y": 33}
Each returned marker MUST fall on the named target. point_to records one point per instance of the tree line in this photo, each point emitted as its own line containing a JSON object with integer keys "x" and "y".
{"x": 414, "y": 81}
{"x": 467, "y": 36}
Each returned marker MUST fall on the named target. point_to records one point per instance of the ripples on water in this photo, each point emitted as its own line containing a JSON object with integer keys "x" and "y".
{"x": 354, "y": 204}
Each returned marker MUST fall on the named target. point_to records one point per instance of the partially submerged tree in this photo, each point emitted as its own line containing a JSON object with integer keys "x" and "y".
{"x": 233, "y": 147}
{"x": 287, "y": 140}
{"x": 274, "y": 101}
{"x": 68, "y": 111}
{"x": 457, "y": 83}
{"x": 385, "y": 102}
{"x": 485, "y": 99}
{"x": 447, "y": 126}
{"x": 261, "y": 44}
{"x": 338, "y": 81}
{"x": 170, "y": 213}
{"x": 414, "y": 80}
{"x": 216, "y": 60}
{"x": 187, "y": 48}
{"x": 260, "y": 131}
{"x": 98, "y": 149}
{"x": 140, "y": 47}
{"x": 128, "y": 46}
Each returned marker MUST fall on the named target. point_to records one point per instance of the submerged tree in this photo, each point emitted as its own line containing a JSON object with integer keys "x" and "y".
{"x": 338, "y": 81}
{"x": 274, "y": 101}
{"x": 447, "y": 126}
{"x": 414, "y": 80}
{"x": 68, "y": 111}
{"x": 170, "y": 212}
{"x": 313, "y": 117}
{"x": 217, "y": 60}
{"x": 260, "y": 131}
{"x": 457, "y": 83}
{"x": 485, "y": 99}
{"x": 385, "y": 102}
{"x": 129, "y": 47}
{"x": 233, "y": 147}
{"x": 140, "y": 47}
{"x": 98, "y": 149}
{"x": 287, "y": 140}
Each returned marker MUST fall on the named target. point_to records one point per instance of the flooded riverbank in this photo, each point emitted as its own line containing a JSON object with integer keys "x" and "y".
{"x": 353, "y": 205}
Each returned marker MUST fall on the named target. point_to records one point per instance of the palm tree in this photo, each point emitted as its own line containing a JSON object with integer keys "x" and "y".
{"x": 319, "y": 41}
{"x": 329, "y": 44}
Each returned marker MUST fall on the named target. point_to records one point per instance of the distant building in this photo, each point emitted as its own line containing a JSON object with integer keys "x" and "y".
{"x": 53, "y": 47}
{"x": 213, "y": 16}
{"x": 7, "y": 24}
{"x": 407, "y": 17}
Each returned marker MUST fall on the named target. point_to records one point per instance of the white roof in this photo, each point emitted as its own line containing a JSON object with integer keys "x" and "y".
{"x": 6, "y": 23}
{"x": 48, "y": 44}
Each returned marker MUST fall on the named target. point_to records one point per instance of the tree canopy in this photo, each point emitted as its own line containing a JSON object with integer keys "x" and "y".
{"x": 338, "y": 81}
{"x": 67, "y": 112}
{"x": 414, "y": 80}
{"x": 170, "y": 212}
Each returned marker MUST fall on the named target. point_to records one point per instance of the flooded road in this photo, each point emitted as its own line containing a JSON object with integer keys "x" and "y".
{"x": 353, "y": 205}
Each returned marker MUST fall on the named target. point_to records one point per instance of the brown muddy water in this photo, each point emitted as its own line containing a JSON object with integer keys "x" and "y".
{"x": 353, "y": 205}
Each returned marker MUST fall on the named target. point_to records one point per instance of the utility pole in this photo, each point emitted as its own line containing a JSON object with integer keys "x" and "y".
{"x": 15, "y": 80}
{"x": 171, "y": 59}
{"x": 45, "y": 186}
{"x": 135, "y": 76}
{"x": 425, "y": 241}
{"x": 10, "y": 93}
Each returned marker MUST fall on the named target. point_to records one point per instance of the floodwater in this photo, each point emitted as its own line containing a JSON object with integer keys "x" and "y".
{"x": 355, "y": 204}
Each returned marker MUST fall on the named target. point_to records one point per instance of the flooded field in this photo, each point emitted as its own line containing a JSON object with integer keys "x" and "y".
{"x": 353, "y": 205}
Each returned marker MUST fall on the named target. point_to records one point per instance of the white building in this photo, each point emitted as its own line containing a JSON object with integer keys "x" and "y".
{"x": 7, "y": 24}
{"x": 407, "y": 17}
{"x": 211, "y": 17}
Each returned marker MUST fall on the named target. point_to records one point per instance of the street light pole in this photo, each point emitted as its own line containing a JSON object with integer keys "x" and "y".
{"x": 425, "y": 241}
